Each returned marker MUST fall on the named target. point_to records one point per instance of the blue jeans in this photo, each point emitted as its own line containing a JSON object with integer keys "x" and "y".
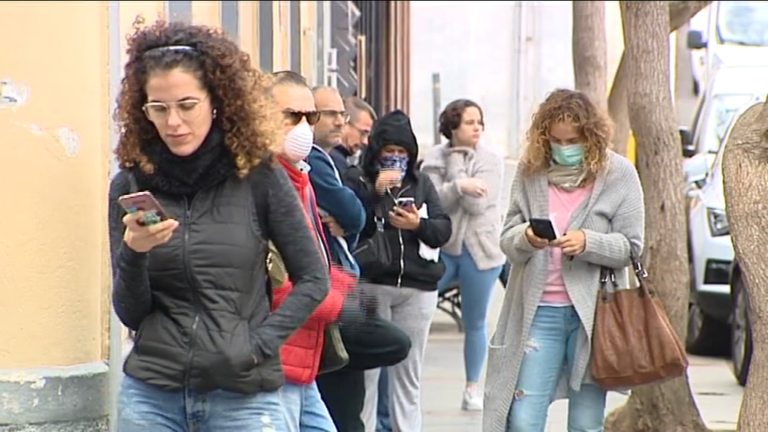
{"x": 551, "y": 347}
{"x": 383, "y": 423}
{"x": 143, "y": 407}
{"x": 305, "y": 409}
{"x": 476, "y": 287}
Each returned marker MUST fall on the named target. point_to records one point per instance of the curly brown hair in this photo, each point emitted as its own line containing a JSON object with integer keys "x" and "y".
{"x": 238, "y": 92}
{"x": 574, "y": 107}
{"x": 450, "y": 118}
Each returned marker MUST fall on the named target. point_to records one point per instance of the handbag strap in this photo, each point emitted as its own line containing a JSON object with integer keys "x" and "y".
{"x": 378, "y": 206}
{"x": 609, "y": 275}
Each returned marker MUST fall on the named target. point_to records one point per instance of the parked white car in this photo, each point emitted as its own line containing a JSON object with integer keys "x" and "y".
{"x": 728, "y": 90}
{"x": 710, "y": 248}
{"x": 727, "y": 33}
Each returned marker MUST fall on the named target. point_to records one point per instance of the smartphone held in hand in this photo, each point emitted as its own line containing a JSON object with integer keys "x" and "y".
{"x": 146, "y": 202}
{"x": 543, "y": 228}
{"x": 406, "y": 203}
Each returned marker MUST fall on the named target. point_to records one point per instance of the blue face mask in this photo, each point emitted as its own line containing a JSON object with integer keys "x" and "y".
{"x": 567, "y": 155}
{"x": 394, "y": 162}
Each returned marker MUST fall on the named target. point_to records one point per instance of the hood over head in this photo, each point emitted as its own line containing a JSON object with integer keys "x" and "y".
{"x": 393, "y": 128}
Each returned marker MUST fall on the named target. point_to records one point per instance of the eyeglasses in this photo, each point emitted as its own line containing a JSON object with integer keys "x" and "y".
{"x": 187, "y": 109}
{"x": 363, "y": 133}
{"x": 335, "y": 114}
{"x": 294, "y": 117}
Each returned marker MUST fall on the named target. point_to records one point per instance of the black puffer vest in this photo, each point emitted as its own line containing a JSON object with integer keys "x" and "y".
{"x": 209, "y": 293}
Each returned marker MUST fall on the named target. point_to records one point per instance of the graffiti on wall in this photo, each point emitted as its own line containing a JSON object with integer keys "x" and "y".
{"x": 14, "y": 96}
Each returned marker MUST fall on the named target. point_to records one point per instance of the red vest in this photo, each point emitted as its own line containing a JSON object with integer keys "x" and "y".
{"x": 300, "y": 355}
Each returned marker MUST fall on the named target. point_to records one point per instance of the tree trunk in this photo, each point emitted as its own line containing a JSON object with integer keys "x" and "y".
{"x": 680, "y": 12}
{"x": 669, "y": 406}
{"x": 745, "y": 177}
{"x": 590, "y": 50}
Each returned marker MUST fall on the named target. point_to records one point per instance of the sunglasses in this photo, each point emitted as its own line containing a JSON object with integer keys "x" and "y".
{"x": 294, "y": 117}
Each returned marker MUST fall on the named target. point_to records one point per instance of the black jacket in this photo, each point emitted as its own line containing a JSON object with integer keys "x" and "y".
{"x": 200, "y": 302}
{"x": 408, "y": 268}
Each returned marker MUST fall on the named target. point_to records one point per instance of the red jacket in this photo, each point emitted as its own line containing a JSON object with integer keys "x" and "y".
{"x": 300, "y": 355}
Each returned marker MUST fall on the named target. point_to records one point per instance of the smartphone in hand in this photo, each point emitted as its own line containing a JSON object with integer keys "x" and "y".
{"x": 543, "y": 228}
{"x": 406, "y": 203}
{"x": 146, "y": 202}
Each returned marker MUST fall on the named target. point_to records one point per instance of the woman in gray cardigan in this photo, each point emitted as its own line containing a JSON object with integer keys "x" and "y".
{"x": 592, "y": 196}
{"x": 468, "y": 178}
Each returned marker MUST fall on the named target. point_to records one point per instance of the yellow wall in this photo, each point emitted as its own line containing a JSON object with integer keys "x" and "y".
{"x": 54, "y": 171}
{"x": 54, "y": 159}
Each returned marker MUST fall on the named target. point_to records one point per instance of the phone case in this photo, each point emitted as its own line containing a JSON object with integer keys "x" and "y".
{"x": 543, "y": 228}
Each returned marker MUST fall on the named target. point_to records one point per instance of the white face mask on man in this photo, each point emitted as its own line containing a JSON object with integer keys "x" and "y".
{"x": 298, "y": 142}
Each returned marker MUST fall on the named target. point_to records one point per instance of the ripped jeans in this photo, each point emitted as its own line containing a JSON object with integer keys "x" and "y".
{"x": 551, "y": 346}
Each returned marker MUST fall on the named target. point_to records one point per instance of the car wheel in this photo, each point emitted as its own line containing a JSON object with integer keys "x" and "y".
{"x": 741, "y": 334}
{"x": 706, "y": 336}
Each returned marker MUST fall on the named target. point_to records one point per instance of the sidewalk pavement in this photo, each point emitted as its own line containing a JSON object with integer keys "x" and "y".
{"x": 717, "y": 394}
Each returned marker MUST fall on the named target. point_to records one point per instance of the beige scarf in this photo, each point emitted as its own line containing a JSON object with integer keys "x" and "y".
{"x": 567, "y": 178}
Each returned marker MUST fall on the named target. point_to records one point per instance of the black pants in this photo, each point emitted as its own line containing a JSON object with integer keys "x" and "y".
{"x": 373, "y": 344}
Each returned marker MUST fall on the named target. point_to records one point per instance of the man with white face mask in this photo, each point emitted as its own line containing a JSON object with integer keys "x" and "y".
{"x": 301, "y": 355}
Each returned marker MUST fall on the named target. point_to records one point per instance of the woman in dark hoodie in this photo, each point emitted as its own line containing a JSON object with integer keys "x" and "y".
{"x": 415, "y": 227}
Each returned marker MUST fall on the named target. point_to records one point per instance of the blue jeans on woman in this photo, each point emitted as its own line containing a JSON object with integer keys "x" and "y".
{"x": 143, "y": 407}
{"x": 476, "y": 287}
{"x": 305, "y": 409}
{"x": 552, "y": 342}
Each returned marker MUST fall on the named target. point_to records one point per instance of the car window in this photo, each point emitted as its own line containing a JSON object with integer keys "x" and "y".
{"x": 743, "y": 22}
{"x": 718, "y": 117}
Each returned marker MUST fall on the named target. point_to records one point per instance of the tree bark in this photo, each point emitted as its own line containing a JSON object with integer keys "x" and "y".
{"x": 680, "y": 12}
{"x": 669, "y": 406}
{"x": 745, "y": 177}
{"x": 590, "y": 50}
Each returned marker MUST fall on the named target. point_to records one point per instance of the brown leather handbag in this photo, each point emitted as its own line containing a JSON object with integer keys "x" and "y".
{"x": 633, "y": 342}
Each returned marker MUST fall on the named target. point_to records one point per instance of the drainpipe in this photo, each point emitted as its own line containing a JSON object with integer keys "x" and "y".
{"x": 517, "y": 53}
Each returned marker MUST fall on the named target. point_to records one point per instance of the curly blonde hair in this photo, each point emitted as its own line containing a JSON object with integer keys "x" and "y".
{"x": 251, "y": 122}
{"x": 573, "y": 107}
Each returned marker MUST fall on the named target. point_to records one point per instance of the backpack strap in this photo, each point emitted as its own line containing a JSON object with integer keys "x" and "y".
{"x": 260, "y": 192}
{"x": 134, "y": 186}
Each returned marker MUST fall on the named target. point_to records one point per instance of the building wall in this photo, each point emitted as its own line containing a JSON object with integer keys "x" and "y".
{"x": 505, "y": 55}
{"x": 56, "y": 99}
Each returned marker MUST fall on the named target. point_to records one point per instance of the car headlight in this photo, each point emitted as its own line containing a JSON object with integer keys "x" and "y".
{"x": 718, "y": 223}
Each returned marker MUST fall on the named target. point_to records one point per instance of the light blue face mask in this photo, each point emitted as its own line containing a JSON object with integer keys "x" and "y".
{"x": 567, "y": 155}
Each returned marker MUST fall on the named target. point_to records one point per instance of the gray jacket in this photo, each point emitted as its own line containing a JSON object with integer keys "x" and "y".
{"x": 476, "y": 222}
{"x": 613, "y": 220}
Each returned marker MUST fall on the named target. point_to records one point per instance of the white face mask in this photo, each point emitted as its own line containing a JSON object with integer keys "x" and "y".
{"x": 298, "y": 142}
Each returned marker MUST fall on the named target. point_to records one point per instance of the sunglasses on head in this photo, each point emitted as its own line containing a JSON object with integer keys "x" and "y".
{"x": 294, "y": 117}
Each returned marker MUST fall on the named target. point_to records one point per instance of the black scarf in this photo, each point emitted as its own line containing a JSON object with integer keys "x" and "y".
{"x": 209, "y": 165}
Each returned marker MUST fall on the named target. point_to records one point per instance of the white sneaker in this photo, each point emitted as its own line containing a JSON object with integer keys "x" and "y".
{"x": 472, "y": 400}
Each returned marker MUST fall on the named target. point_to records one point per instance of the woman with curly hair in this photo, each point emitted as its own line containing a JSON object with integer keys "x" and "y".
{"x": 468, "y": 177}
{"x": 198, "y": 132}
{"x": 594, "y": 203}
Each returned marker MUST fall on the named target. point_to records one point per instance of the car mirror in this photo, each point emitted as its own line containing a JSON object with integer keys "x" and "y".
{"x": 696, "y": 169}
{"x": 695, "y": 40}
{"x": 686, "y": 141}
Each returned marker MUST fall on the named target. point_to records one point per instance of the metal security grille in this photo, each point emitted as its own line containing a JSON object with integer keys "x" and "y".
{"x": 342, "y": 54}
{"x": 372, "y": 59}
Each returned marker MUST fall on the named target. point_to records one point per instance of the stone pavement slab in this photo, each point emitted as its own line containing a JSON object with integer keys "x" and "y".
{"x": 717, "y": 394}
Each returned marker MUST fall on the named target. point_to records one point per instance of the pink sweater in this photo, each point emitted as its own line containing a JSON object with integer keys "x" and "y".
{"x": 562, "y": 204}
